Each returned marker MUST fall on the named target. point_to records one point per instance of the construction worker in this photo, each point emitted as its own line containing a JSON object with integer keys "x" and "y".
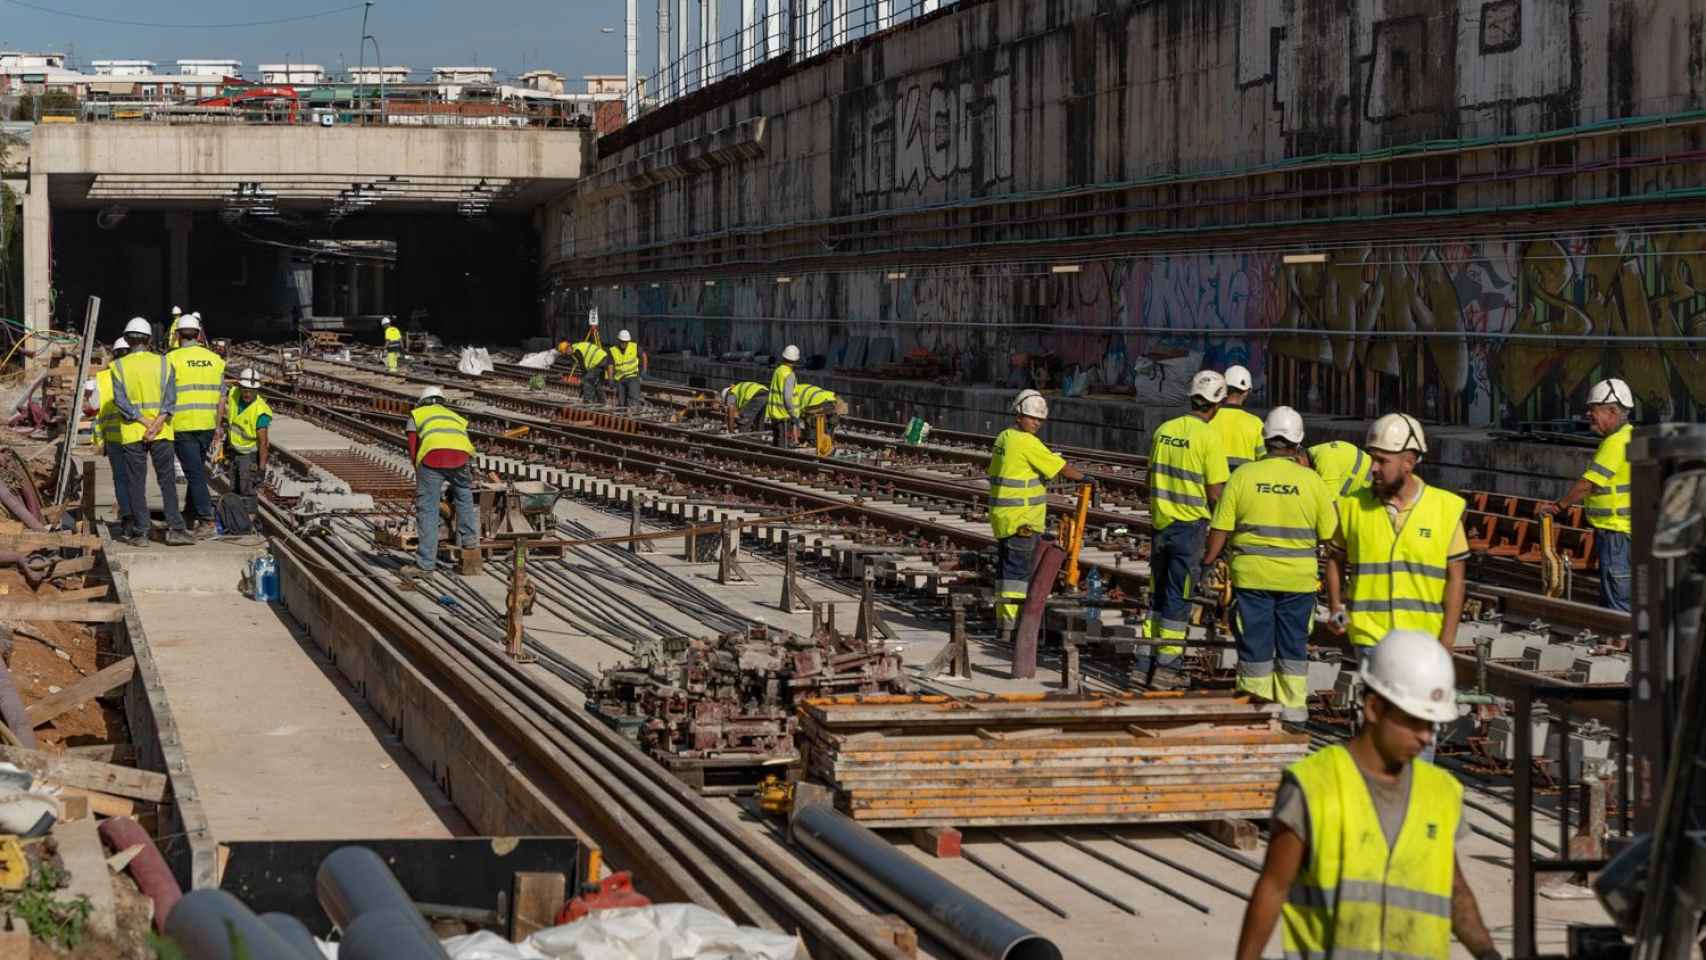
{"x": 200, "y": 377}
{"x": 1274, "y": 513}
{"x": 781, "y": 410}
{"x": 1362, "y": 859}
{"x": 748, "y": 398}
{"x": 1187, "y": 471}
{"x": 1020, "y": 466}
{"x": 1605, "y": 487}
{"x": 625, "y": 367}
{"x": 145, "y": 393}
{"x": 1403, "y": 544}
{"x": 393, "y": 343}
{"x": 1342, "y": 466}
{"x": 105, "y": 431}
{"x": 592, "y": 359}
{"x": 1239, "y": 430}
{"x": 441, "y": 451}
{"x": 247, "y": 418}
{"x": 815, "y": 401}
{"x": 172, "y": 328}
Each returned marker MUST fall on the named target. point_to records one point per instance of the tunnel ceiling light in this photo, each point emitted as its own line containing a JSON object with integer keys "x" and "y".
{"x": 710, "y": 283}
{"x": 897, "y": 275}
{"x": 784, "y": 279}
{"x": 615, "y": 287}
{"x": 656, "y": 285}
{"x": 1295, "y": 259}
{"x": 1066, "y": 268}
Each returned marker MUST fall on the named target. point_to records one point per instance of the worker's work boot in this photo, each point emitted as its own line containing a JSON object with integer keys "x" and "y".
{"x": 409, "y": 571}
{"x": 179, "y": 538}
{"x": 1168, "y": 678}
{"x": 1296, "y": 716}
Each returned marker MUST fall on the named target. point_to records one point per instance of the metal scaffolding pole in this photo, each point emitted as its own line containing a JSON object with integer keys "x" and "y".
{"x": 749, "y": 35}
{"x": 633, "y": 89}
{"x": 665, "y": 87}
{"x": 708, "y": 41}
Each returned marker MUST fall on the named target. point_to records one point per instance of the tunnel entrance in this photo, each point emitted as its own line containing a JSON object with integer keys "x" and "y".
{"x": 270, "y": 277}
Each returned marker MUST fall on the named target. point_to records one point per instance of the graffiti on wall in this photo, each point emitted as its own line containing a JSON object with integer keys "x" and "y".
{"x": 934, "y": 136}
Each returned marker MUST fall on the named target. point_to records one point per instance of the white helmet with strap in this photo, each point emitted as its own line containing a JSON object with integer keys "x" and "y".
{"x": 1238, "y": 378}
{"x": 1285, "y": 423}
{"x": 1209, "y": 386}
{"x": 249, "y": 378}
{"x": 1396, "y": 433}
{"x": 432, "y": 393}
{"x": 138, "y": 327}
{"x": 1030, "y": 403}
{"x": 1612, "y": 391}
{"x": 1412, "y": 671}
{"x": 791, "y": 353}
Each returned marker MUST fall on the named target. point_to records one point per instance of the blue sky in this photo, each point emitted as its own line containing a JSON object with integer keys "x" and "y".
{"x": 511, "y": 35}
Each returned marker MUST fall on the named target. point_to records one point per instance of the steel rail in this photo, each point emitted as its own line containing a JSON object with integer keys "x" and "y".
{"x": 678, "y": 844}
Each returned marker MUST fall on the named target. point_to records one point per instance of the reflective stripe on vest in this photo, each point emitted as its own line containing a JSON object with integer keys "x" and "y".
{"x": 107, "y": 417}
{"x": 807, "y": 397}
{"x": 744, "y": 391}
{"x": 1398, "y": 581}
{"x": 242, "y": 426}
{"x": 1355, "y": 896}
{"x": 439, "y": 428}
{"x": 1608, "y": 507}
{"x": 1018, "y": 495}
{"x": 1277, "y": 506}
{"x": 199, "y": 374}
{"x": 1342, "y": 466}
{"x": 144, "y": 377}
{"x": 591, "y": 354}
{"x": 625, "y": 365}
{"x": 1240, "y": 433}
{"x": 1178, "y": 487}
{"x": 776, "y": 406}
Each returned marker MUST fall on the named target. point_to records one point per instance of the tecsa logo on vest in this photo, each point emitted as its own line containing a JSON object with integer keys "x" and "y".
{"x": 198, "y": 363}
{"x": 1283, "y": 489}
{"x": 1176, "y": 442}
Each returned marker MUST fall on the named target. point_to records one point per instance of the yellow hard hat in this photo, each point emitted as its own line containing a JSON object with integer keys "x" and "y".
{"x": 563, "y": 346}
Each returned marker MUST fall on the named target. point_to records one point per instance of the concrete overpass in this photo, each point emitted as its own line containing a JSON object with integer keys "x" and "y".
{"x": 332, "y": 174}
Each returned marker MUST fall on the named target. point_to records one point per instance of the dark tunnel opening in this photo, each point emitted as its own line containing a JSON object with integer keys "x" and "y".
{"x": 271, "y": 279}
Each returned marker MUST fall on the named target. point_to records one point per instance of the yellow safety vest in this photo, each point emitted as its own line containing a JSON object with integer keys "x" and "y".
{"x": 107, "y": 419}
{"x": 744, "y": 391}
{"x": 1240, "y": 433}
{"x": 626, "y": 365}
{"x": 806, "y": 397}
{"x": 1354, "y": 897}
{"x": 1020, "y": 467}
{"x": 1608, "y": 504}
{"x": 1343, "y": 467}
{"x": 393, "y": 338}
{"x": 242, "y": 426}
{"x": 1185, "y": 459}
{"x": 144, "y": 375}
{"x": 437, "y": 427}
{"x": 200, "y": 375}
{"x": 1398, "y": 580}
{"x": 776, "y": 407}
{"x": 1276, "y": 510}
{"x": 591, "y": 354}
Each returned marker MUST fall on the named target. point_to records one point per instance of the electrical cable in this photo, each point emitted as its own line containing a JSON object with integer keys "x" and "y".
{"x": 181, "y": 26}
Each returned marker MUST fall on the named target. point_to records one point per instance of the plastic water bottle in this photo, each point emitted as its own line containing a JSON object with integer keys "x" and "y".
{"x": 264, "y": 574}
{"x": 1093, "y": 592}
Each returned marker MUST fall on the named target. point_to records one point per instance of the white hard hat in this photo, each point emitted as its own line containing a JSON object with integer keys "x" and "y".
{"x": 1030, "y": 403}
{"x": 1395, "y": 433}
{"x": 624, "y": 336}
{"x": 1237, "y": 378}
{"x": 791, "y": 353}
{"x": 175, "y": 310}
{"x": 249, "y": 378}
{"x": 385, "y": 321}
{"x": 1412, "y": 670}
{"x": 727, "y": 393}
{"x": 190, "y": 321}
{"x": 138, "y": 327}
{"x": 592, "y": 321}
{"x": 121, "y": 344}
{"x": 432, "y": 393}
{"x": 1283, "y": 422}
{"x": 1612, "y": 391}
{"x": 1209, "y": 386}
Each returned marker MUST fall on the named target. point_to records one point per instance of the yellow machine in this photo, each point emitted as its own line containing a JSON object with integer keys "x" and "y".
{"x": 825, "y": 442}
{"x": 1072, "y": 534}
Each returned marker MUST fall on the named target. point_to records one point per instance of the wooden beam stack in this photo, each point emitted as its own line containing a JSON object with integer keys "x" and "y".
{"x": 1025, "y": 759}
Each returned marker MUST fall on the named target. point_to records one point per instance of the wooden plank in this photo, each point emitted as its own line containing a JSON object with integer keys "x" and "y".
{"x": 103, "y": 804}
{"x": 31, "y": 540}
{"x": 123, "y": 754}
{"x": 111, "y": 678}
{"x": 89, "y": 774}
{"x": 65, "y": 568}
{"x": 80, "y": 595}
{"x": 537, "y": 898}
{"x": 61, "y": 611}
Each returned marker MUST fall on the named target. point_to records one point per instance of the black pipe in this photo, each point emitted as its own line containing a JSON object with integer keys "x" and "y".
{"x": 295, "y": 933}
{"x": 211, "y": 924}
{"x": 963, "y": 923}
{"x": 353, "y": 883}
{"x": 390, "y": 935}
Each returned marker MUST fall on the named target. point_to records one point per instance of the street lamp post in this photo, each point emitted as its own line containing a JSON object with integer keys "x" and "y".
{"x": 361, "y": 62}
